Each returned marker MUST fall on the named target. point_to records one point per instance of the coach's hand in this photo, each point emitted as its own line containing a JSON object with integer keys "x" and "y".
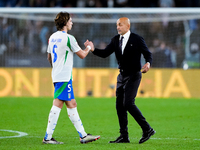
{"x": 146, "y": 67}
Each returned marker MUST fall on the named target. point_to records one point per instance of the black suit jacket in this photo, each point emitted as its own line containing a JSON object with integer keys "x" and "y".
{"x": 130, "y": 61}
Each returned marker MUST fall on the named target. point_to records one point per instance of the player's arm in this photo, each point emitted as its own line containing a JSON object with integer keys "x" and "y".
{"x": 83, "y": 53}
{"x": 49, "y": 58}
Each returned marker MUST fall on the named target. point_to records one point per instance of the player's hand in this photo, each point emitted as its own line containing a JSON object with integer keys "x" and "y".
{"x": 146, "y": 67}
{"x": 86, "y": 43}
{"x": 90, "y": 44}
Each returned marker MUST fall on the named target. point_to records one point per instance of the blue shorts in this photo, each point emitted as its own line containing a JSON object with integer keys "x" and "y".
{"x": 63, "y": 91}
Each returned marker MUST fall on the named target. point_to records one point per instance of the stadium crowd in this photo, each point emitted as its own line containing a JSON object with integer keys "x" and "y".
{"x": 164, "y": 39}
{"x": 99, "y": 3}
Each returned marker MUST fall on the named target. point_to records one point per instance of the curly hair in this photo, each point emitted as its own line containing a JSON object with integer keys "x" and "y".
{"x": 61, "y": 20}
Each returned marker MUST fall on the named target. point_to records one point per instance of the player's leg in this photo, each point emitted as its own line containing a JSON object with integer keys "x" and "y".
{"x": 52, "y": 122}
{"x": 58, "y": 102}
{"x": 74, "y": 117}
{"x": 72, "y": 110}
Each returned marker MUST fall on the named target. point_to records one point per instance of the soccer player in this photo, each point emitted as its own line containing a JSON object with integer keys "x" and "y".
{"x": 60, "y": 55}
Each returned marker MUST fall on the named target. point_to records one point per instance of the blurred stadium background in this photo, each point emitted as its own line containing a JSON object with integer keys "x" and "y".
{"x": 171, "y": 33}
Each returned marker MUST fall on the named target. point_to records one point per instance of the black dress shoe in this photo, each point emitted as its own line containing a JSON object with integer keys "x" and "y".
{"x": 121, "y": 139}
{"x": 146, "y": 135}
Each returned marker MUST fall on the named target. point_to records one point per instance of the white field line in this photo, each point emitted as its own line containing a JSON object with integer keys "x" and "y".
{"x": 20, "y": 134}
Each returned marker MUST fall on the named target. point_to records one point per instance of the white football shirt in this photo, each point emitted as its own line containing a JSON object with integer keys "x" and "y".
{"x": 62, "y": 46}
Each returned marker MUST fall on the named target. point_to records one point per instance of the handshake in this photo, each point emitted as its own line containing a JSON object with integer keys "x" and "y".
{"x": 90, "y": 45}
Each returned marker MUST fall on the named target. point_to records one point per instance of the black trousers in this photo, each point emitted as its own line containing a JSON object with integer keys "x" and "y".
{"x": 127, "y": 87}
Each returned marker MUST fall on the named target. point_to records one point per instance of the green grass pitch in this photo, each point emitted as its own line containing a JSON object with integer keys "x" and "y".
{"x": 176, "y": 121}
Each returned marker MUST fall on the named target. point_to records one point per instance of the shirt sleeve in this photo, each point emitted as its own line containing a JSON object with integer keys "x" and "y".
{"x": 105, "y": 52}
{"x": 74, "y": 45}
{"x": 145, "y": 51}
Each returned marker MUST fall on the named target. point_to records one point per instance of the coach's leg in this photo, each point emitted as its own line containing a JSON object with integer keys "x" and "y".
{"x": 121, "y": 111}
{"x": 122, "y": 115}
{"x": 131, "y": 89}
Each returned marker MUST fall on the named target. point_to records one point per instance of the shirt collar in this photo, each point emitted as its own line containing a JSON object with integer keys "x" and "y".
{"x": 126, "y": 35}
